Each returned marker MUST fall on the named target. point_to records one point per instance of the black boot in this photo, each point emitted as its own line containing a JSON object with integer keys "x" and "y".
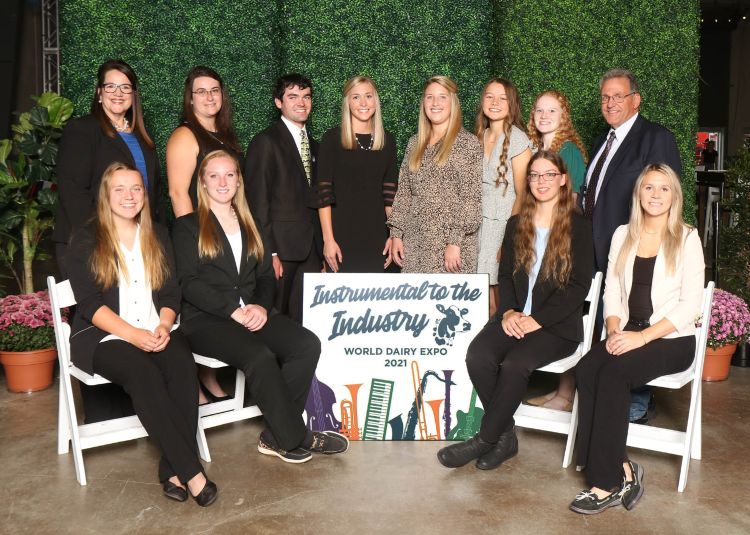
{"x": 505, "y": 448}
{"x": 459, "y": 454}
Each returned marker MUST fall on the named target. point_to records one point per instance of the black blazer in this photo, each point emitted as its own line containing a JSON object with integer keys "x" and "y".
{"x": 558, "y": 310}
{"x": 212, "y": 287}
{"x": 279, "y": 196}
{"x": 85, "y": 152}
{"x": 646, "y": 143}
{"x": 90, "y": 297}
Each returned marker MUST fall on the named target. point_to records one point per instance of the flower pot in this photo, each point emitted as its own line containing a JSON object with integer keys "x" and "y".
{"x": 28, "y": 371}
{"x": 741, "y": 357}
{"x": 716, "y": 365}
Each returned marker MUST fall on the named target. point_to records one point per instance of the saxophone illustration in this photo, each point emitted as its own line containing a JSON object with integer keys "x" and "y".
{"x": 412, "y": 419}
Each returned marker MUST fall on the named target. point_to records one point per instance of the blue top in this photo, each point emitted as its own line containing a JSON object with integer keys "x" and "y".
{"x": 135, "y": 149}
{"x": 540, "y": 245}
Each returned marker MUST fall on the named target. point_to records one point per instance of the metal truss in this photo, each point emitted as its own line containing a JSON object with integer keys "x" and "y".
{"x": 50, "y": 46}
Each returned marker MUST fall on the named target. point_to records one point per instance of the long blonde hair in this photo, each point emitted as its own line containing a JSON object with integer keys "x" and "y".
{"x": 566, "y": 130}
{"x": 481, "y": 123}
{"x": 558, "y": 259}
{"x": 425, "y": 126}
{"x": 209, "y": 243}
{"x": 671, "y": 238}
{"x": 107, "y": 260}
{"x": 348, "y": 137}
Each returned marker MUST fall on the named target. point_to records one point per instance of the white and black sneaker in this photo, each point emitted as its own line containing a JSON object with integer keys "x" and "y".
{"x": 588, "y": 503}
{"x": 327, "y": 443}
{"x": 632, "y": 490}
{"x": 267, "y": 446}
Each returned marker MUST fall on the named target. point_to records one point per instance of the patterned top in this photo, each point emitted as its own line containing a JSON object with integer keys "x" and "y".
{"x": 437, "y": 206}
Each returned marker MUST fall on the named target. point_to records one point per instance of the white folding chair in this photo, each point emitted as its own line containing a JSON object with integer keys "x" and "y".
{"x": 85, "y": 436}
{"x": 227, "y": 411}
{"x": 556, "y": 421}
{"x": 685, "y": 443}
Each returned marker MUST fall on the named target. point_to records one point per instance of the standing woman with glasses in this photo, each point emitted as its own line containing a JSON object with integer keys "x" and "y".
{"x": 506, "y": 155}
{"x": 545, "y": 274}
{"x": 206, "y": 125}
{"x": 436, "y": 213}
{"x": 113, "y": 131}
{"x": 357, "y": 174}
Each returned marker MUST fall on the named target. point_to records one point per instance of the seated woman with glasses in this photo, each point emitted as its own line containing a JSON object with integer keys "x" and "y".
{"x": 652, "y": 297}
{"x": 123, "y": 278}
{"x": 545, "y": 274}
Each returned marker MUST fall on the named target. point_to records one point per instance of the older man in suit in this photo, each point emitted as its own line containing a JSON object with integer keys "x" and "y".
{"x": 619, "y": 155}
{"x": 279, "y": 169}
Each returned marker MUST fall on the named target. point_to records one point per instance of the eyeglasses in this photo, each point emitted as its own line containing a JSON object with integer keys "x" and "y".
{"x": 111, "y": 88}
{"x": 544, "y": 177}
{"x": 203, "y": 93}
{"x": 619, "y": 99}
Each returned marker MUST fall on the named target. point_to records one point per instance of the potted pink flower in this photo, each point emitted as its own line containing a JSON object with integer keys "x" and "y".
{"x": 729, "y": 325}
{"x": 27, "y": 341}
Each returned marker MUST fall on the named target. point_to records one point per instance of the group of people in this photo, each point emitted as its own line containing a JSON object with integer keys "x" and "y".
{"x": 516, "y": 202}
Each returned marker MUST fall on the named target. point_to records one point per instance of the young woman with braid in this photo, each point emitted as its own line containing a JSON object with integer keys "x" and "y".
{"x": 551, "y": 128}
{"x": 545, "y": 274}
{"x": 506, "y": 155}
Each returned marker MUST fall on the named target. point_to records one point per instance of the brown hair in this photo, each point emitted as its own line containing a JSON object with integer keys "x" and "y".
{"x": 209, "y": 243}
{"x": 513, "y": 119}
{"x": 107, "y": 260}
{"x": 566, "y": 131}
{"x": 425, "y": 126}
{"x": 558, "y": 262}
{"x": 134, "y": 115}
{"x": 224, "y": 123}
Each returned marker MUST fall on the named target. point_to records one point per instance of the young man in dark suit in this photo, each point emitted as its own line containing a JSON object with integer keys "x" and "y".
{"x": 279, "y": 177}
{"x": 618, "y": 157}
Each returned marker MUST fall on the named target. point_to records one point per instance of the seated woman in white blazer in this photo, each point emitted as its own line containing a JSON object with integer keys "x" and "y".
{"x": 652, "y": 298}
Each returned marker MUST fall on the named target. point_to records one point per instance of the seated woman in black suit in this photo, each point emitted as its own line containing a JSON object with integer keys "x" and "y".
{"x": 652, "y": 296}
{"x": 545, "y": 274}
{"x": 228, "y": 288}
{"x": 123, "y": 278}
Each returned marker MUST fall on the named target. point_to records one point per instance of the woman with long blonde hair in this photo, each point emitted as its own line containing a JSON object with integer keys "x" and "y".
{"x": 436, "y": 212}
{"x": 500, "y": 130}
{"x": 652, "y": 297}
{"x": 545, "y": 274}
{"x": 228, "y": 287}
{"x": 123, "y": 278}
{"x": 357, "y": 175}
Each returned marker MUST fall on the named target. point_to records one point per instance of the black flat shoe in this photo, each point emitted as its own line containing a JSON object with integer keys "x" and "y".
{"x": 174, "y": 492}
{"x": 208, "y": 495}
{"x": 632, "y": 490}
{"x": 461, "y": 453}
{"x": 588, "y": 503}
{"x": 209, "y": 396}
{"x": 506, "y": 447}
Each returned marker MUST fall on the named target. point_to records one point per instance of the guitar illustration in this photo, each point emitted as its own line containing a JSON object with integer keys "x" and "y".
{"x": 319, "y": 407}
{"x": 469, "y": 421}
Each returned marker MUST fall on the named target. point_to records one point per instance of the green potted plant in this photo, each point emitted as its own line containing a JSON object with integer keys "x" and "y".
{"x": 729, "y": 325}
{"x": 27, "y": 206}
{"x": 734, "y": 253}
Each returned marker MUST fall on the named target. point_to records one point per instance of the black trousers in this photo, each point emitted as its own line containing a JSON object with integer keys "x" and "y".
{"x": 604, "y": 383}
{"x": 164, "y": 390}
{"x": 291, "y": 284}
{"x": 500, "y": 365}
{"x": 279, "y": 361}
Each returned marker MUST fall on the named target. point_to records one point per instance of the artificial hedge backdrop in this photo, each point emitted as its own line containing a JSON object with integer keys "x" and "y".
{"x": 562, "y": 44}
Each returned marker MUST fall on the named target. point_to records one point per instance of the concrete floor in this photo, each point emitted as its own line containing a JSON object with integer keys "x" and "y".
{"x": 387, "y": 487}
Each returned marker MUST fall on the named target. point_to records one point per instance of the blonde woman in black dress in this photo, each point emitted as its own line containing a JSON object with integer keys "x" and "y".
{"x": 357, "y": 175}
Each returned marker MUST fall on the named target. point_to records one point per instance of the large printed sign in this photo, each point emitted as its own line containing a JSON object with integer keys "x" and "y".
{"x": 393, "y": 349}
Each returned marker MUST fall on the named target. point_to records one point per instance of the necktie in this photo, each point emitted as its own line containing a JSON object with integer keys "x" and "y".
{"x": 304, "y": 152}
{"x": 588, "y": 208}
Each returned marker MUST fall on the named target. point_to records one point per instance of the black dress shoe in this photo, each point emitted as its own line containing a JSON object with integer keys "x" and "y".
{"x": 211, "y": 397}
{"x": 208, "y": 495}
{"x": 459, "y": 454}
{"x": 505, "y": 448}
{"x": 174, "y": 492}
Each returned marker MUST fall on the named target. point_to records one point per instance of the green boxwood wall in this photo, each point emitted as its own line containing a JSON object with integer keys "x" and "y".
{"x": 568, "y": 44}
{"x": 564, "y": 44}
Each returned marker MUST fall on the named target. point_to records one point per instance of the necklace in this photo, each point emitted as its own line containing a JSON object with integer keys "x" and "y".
{"x": 369, "y": 147}
{"x": 214, "y": 136}
{"x": 123, "y": 128}
{"x": 650, "y": 233}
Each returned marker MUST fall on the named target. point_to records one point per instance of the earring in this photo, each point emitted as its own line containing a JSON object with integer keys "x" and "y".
{"x": 100, "y": 100}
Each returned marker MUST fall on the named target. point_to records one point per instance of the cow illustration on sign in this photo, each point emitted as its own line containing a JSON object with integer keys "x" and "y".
{"x": 452, "y": 321}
